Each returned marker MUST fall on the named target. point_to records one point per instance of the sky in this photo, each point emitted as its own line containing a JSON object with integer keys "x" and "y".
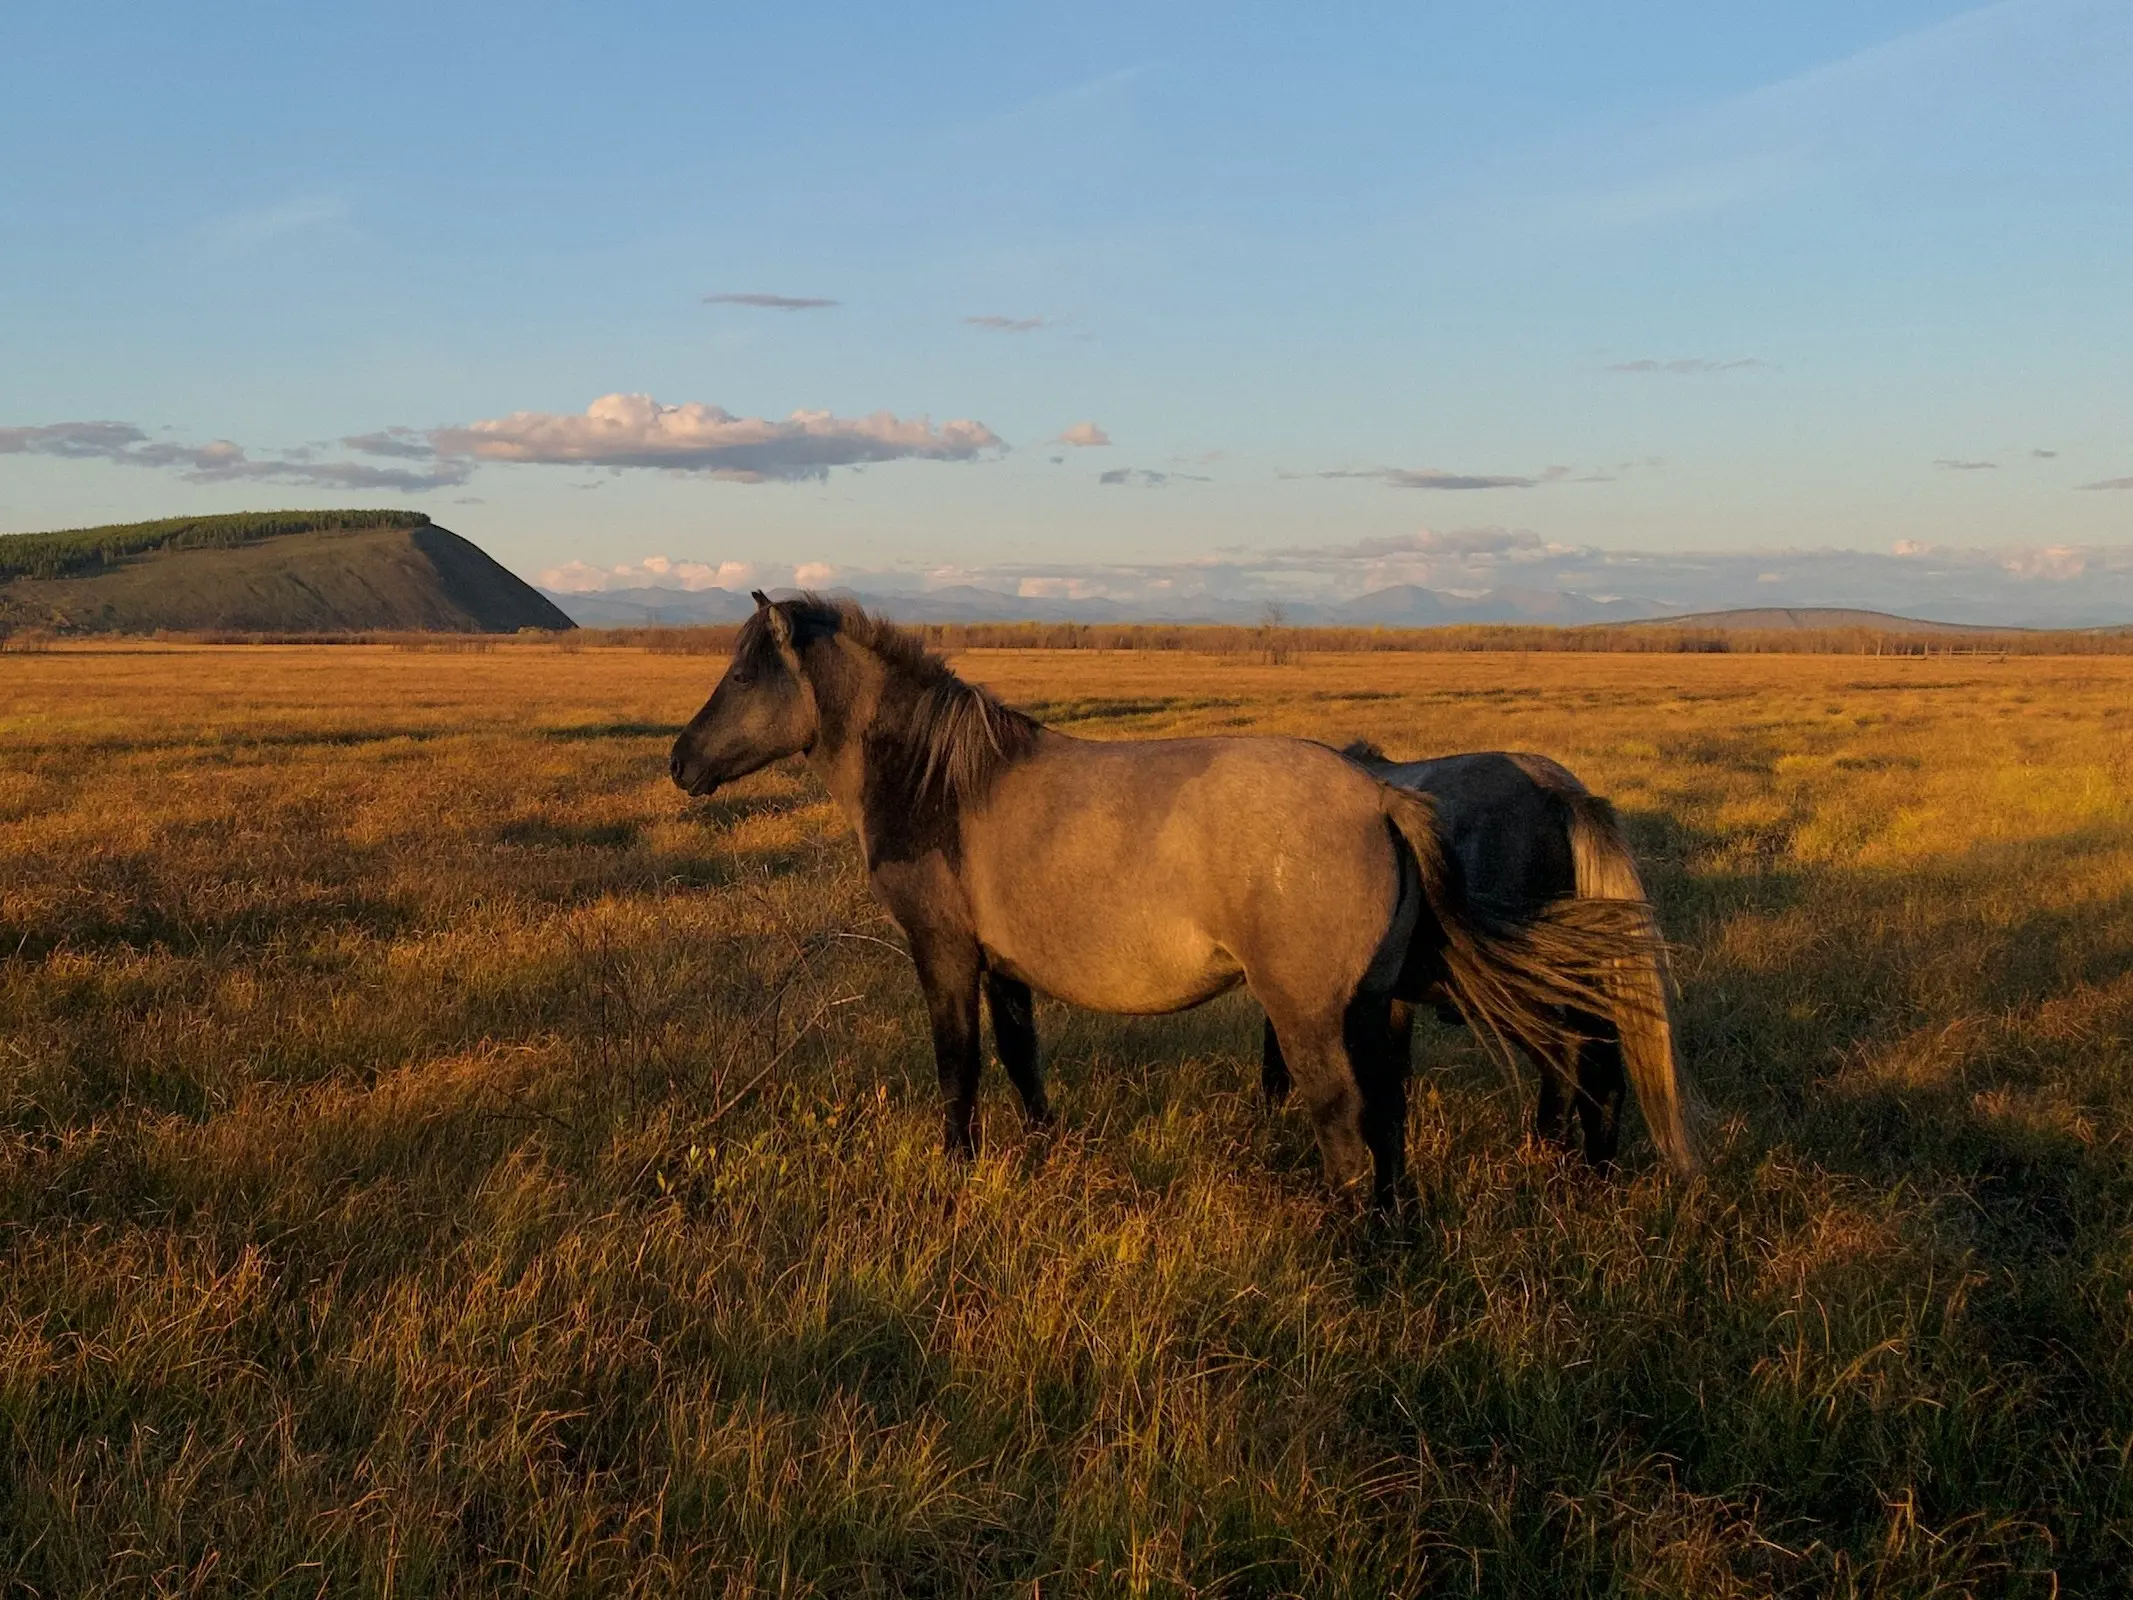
{"x": 1091, "y": 300}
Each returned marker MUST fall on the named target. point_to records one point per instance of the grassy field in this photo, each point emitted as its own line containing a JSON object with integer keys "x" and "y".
{"x": 438, "y": 1158}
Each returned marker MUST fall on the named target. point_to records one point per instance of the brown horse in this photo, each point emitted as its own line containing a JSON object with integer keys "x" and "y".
{"x": 1525, "y": 832}
{"x": 1138, "y": 877}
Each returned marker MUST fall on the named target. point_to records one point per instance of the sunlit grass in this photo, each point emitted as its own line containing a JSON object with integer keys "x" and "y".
{"x": 435, "y": 1156}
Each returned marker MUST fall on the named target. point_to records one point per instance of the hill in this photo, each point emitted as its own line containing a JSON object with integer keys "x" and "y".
{"x": 271, "y": 572}
{"x": 1783, "y": 618}
{"x": 1408, "y": 605}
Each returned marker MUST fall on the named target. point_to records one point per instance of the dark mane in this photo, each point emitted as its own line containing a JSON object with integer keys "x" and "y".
{"x": 958, "y": 736}
{"x": 1366, "y": 754}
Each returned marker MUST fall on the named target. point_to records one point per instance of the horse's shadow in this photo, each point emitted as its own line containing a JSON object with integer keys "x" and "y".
{"x": 1907, "y": 1039}
{"x": 1920, "y": 1035}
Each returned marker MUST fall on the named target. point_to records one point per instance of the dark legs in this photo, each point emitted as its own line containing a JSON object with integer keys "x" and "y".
{"x": 1352, "y": 1074}
{"x": 1273, "y": 1069}
{"x": 1379, "y": 1034}
{"x": 1596, "y": 1092}
{"x": 1600, "y": 1087}
{"x": 1014, "y": 1036}
{"x": 1551, "y": 1113}
{"x": 948, "y": 973}
{"x": 1274, "y": 1080}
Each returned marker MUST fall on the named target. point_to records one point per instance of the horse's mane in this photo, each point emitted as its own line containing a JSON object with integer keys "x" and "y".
{"x": 959, "y": 737}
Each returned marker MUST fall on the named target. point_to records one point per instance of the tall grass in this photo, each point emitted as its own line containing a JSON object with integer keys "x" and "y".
{"x": 435, "y": 1157}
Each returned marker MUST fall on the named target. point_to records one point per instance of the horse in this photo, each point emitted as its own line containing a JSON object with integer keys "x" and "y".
{"x": 1525, "y": 831}
{"x": 1138, "y": 877}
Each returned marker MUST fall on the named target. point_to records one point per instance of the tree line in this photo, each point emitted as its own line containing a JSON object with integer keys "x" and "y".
{"x": 72, "y": 552}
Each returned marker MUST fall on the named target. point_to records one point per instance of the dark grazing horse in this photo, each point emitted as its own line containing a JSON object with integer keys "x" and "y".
{"x": 1525, "y": 832}
{"x": 1139, "y": 877}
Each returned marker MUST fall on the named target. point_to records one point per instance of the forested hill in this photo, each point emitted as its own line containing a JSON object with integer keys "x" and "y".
{"x": 264, "y": 572}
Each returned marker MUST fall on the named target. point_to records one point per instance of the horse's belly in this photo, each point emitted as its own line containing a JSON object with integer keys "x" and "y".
{"x": 1142, "y": 971}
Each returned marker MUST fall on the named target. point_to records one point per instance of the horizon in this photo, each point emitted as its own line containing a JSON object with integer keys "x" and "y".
{"x": 1129, "y": 308}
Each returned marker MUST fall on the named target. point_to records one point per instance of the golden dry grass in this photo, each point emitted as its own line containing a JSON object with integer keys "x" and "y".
{"x": 438, "y": 1158}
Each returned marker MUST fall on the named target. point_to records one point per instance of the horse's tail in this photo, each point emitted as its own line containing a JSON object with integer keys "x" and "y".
{"x": 1514, "y": 978}
{"x": 1637, "y": 982}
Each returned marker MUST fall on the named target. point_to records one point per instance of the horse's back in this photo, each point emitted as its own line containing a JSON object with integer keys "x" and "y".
{"x": 1506, "y": 817}
{"x": 1128, "y": 875}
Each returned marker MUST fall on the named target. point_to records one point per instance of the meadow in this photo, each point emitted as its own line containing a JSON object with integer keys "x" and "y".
{"x": 436, "y": 1157}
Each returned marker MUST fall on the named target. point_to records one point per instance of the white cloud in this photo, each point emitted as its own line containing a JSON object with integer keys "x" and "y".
{"x": 1688, "y": 366}
{"x": 772, "y": 302}
{"x": 1060, "y": 588}
{"x": 224, "y": 461}
{"x": 1439, "y": 478}
{"x": 407, "y": 443}
{"x": 245, "y": 231}
{"x": 573, "y": 577}
{"x": 2016, "y": 585}
{"x": 1084, "y": 436}
{"x": 2057, "y": 562}
{"x": 666, "y": 572}
{"x": 2052, "y": 585}
{"x": 634, "y": 430}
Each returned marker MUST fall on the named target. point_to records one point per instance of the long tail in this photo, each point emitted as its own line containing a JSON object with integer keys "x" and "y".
{"x": 1638, "y": 981}
{"x": 1513, "y": 978}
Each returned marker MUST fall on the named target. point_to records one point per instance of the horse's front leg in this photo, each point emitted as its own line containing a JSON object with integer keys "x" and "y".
{"x": 948, "y": 968}
{"x": 1014, "y": 1035}
{"x": 1274, "y": 1080}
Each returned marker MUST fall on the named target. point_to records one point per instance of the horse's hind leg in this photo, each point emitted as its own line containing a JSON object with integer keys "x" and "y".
{"x": 1379, "y": 1035}
{"x": 1273, "y": 1069}
{"x": 1551, "y": 1112}
{"x": 1014, "y": 1035}
{"x": 1600, "y": 1087}
{"x": 1316, "y": 1052}
{"x": 1400, "y": 1034}
{"x": 1356, "y": 1092}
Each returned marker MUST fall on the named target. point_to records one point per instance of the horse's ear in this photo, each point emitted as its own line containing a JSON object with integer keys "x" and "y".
{"x": 780, "y": 627}
{"x": 762, "y": 600}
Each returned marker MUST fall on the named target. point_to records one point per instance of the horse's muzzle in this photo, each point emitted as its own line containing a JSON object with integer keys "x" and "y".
{"x": 688, "y": 778}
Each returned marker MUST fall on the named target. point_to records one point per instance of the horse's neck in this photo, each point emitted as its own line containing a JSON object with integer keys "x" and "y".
{"x": 848, "y": 694}
{"x": 873, "y": 761}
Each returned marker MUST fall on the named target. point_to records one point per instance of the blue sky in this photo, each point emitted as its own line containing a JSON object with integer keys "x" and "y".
{"x": 1656, "y": 279}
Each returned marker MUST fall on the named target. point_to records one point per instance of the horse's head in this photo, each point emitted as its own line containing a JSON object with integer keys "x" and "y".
{"x": 762, "y": 709}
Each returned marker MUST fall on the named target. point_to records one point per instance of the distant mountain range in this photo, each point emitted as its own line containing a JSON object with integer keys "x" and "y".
{"x": 1781, "y": 619}
{"x": 1402, "y": 606}
{"x": 347, "y": 571}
